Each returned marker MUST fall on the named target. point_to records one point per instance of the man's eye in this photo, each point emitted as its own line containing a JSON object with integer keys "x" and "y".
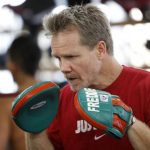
{"x": 70, "y": 57}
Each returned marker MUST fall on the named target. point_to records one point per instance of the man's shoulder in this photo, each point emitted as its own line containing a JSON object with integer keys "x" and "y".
{"x": 3, "y": 95}
{"x": 7, "y": 97}
{"x": 137, "y": 72}
{"x": 138, "y": 76}
{"x": 136, "y": 69}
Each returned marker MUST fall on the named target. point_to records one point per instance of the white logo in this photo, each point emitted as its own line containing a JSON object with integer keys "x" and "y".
{"x": 38, "y": 105}
{"x": 83, "y": 126}
{"x": 99, "y": 137}
{"x": 104, "y": 98}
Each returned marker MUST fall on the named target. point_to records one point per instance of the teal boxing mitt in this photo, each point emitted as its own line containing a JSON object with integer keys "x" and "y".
{"x": 35, "y": 108}
{"x": 104, "y": 111}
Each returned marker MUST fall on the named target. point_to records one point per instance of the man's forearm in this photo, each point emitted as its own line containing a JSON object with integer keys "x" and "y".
{"x": 139, "y": 136}
{"x": 38, "y": 141}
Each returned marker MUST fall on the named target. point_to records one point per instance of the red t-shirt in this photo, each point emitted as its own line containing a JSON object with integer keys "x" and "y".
{"x": 70, "y": 132}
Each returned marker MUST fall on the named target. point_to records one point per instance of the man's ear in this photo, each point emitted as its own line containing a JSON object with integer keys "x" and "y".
{"x": 12, "y": 66}
{"x": 101, "y": 49}
{"x": 15, "y": 67}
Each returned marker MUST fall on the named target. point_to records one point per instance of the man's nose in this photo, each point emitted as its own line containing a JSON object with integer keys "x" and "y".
{"x": 65, "y": 66}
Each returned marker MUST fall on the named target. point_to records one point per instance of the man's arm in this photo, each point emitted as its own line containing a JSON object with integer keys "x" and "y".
{"x": 31, "y": 103}
{"x": 4, "y": 123}
{"x": 139, "y": 135}
{"x": 38, "y": 141}
{"x": 17, "y": 137}
{"x": 10, "y": 134}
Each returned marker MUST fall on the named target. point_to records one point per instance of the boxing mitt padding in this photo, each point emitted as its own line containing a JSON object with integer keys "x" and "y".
{"x": 35, "y": 108}
{"x": 104, "y": 111}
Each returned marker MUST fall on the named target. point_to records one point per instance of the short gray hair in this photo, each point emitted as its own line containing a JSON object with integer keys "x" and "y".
{"x": 90, "y": 21}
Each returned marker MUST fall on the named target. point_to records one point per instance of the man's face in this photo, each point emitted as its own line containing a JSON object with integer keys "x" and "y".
{"x": 79, "y": 64}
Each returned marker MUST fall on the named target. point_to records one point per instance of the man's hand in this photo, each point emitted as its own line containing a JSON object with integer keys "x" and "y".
{"x": 104, "y": 111}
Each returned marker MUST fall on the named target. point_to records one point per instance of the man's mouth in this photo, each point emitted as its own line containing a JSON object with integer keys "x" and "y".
{"x": 71, "y": 79}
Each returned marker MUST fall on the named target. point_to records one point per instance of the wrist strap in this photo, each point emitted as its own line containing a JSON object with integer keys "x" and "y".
{"x": 133, "y": 120}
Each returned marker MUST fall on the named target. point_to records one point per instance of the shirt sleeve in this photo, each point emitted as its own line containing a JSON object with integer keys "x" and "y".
{"x": 147, "y": 103}
{"x": 147, "y": 112}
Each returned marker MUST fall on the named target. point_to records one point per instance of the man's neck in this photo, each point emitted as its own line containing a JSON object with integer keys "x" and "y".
{"x": 24, "y": 81}
{"x": 110, "y": 71}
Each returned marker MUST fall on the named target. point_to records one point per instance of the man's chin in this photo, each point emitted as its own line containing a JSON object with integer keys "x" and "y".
{"x": 75, "y": 88}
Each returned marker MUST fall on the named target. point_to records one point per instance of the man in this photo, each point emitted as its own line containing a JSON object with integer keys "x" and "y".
{"x": 22, "y": 60}
{"x": 82, "y": 42}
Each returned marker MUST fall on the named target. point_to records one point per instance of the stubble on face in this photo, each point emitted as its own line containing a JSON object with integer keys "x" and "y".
{"x": 82, "y": 70}
{"x": 81, "y": 83}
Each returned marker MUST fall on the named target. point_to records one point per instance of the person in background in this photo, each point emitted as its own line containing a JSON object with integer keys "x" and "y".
{"x": 82, "y": 42}
{"x": 23, "y": 58}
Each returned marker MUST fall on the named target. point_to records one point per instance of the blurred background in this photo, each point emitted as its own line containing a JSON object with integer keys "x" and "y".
{"x": 130, "y": 21}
